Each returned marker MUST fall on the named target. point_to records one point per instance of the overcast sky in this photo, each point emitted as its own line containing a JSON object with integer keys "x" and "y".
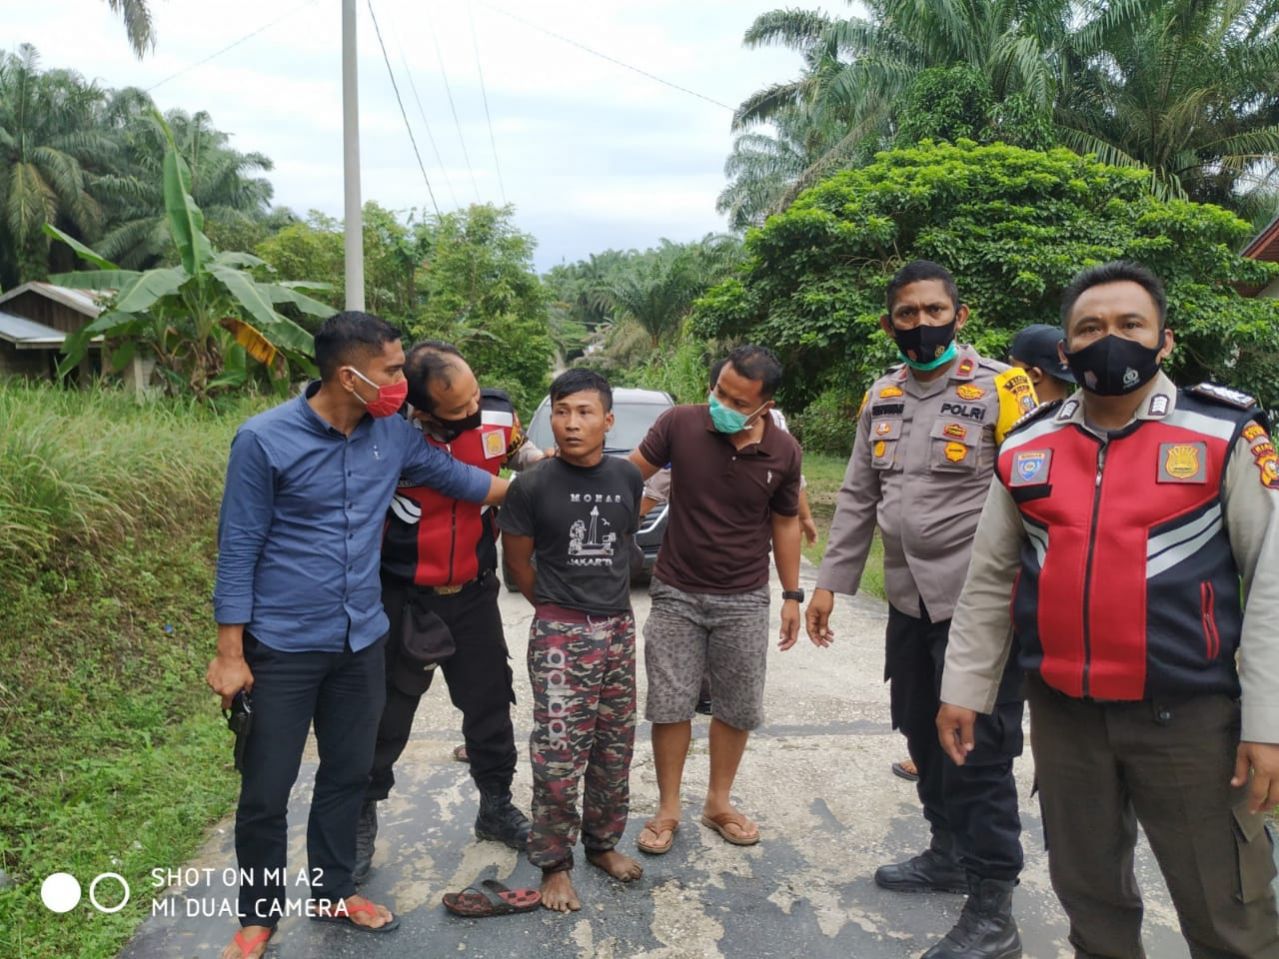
{"x": 591, "y": 154}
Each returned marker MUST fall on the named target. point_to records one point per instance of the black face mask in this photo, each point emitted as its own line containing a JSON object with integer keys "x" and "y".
{"x": 1114, "y": 365}
{"x": 924, "y": 344}
{"x": 452, "y": 429}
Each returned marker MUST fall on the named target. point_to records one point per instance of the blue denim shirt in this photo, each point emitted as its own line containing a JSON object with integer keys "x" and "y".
{"x": 300, "y": 531}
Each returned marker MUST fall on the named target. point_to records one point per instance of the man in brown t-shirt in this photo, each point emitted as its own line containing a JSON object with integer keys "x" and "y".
{"x": 735, "y": 491}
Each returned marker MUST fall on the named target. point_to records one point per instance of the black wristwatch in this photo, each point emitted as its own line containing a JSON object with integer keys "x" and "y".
{"x": 795, "y": 594}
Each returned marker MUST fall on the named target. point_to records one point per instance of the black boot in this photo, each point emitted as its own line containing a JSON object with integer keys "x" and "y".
{"x": 365, "y": 835}
{"x": 933, "y": 870}
{"x": 499, "y": 820}
{"x": 986, "y": 928}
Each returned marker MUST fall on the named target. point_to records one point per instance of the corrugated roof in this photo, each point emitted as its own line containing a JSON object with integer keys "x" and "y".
{"x": 82, "y": 301}
{"x": 29, "y": 335}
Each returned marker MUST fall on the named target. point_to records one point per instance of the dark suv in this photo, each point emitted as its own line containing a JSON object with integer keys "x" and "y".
{"x": 634, "y": 411}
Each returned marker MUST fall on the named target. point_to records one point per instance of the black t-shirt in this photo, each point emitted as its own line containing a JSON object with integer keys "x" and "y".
{"x": 581, "y": 520}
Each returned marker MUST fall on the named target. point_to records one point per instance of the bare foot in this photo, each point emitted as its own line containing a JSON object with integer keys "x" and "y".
{"x": 744, "y": 831}
{"x": 351, "y": 907}
{"x": 616, "y": 864}
{"x": 249, "y": 943}
{"x": 558, "y": 893}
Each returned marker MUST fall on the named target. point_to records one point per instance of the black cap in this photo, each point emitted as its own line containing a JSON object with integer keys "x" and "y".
{"x": 1036, "y": 345}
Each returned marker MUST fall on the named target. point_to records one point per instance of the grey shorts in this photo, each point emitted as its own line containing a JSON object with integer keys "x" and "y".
{"x": 688, "y": 632}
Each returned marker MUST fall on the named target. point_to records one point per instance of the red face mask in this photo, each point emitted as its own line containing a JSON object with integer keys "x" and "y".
{"x": 389, "y": 398}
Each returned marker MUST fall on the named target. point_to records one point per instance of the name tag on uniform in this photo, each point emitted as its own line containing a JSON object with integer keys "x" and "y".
{"x": 1031, "y": 467}
{"x": 1183, "y": 462}
{"x": 494, "y": 444}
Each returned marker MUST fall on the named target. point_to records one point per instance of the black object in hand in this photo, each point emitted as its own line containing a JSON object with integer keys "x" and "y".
{"x": 239, "y": 719}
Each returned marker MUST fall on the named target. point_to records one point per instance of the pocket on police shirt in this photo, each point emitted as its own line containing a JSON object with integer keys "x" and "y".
{"x": 884, "y": 435}
{"x": 955, "y": 446}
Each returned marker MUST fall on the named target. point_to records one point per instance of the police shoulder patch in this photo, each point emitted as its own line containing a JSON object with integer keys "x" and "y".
{"x": 1216, "y": 393}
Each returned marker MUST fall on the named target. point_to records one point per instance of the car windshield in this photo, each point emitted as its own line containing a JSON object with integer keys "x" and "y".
{"x": 631, "y": 422}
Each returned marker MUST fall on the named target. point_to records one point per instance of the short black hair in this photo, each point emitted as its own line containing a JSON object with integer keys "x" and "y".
{"x": 757, "y": 363}
{"x": 1116, "y": 271}
{"x": 716, "y": 370}
{"x": 425, "y": 362}
{"x": 580, "y": 380}
{"x": 349, "y": 334}
{"x": 916, "y": 271}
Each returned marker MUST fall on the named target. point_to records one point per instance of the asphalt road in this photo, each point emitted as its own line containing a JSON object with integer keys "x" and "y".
{"x": 816, "y": 778}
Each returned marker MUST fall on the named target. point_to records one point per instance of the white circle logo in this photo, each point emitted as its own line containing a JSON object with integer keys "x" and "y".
{"x": 60, "y": 892}
{"x": 93, "y": 889}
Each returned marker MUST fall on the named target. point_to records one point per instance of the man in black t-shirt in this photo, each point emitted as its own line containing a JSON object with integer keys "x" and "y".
{"x": 578, "y": 512}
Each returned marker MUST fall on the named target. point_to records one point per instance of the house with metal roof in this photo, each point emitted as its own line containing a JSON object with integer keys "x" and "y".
{"x": 35, "y": 320}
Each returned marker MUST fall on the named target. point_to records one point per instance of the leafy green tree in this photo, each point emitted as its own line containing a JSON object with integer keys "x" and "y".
{"x": 480, "y": 292}
{"x": 48, "y": 137}
{"x": 1013, "y": 225}
{"x": 201, "y": 319}
{"x": 224, "y": 181}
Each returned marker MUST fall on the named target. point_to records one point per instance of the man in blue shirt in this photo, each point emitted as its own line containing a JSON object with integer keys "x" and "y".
{"x": 298, "y": 604}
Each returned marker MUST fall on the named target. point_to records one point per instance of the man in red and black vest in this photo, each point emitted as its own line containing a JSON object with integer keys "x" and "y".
{"x": 440, "y": 590}
{"x": 1136, "y": 528}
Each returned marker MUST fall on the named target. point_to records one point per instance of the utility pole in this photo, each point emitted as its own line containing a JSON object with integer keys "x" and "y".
{"x": 353, "y": 217}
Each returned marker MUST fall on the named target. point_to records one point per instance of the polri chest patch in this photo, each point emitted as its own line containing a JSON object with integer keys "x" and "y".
{"x": 1183, "y": 463}
{"x": 1031, "y": 467}
{"x": 494, "y": 444}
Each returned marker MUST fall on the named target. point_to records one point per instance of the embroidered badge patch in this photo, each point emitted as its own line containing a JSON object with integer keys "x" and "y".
{"x": 1031, "y": 467}
{"x": 1263, "y": 452}
{"x": 965, "y": 367}
{"x": 1068, "y": 409}
{"x": 883, "y": 428}
{"x": 494, "y": 444}
{"x": 890, "y": 392}
{"x": 956, "y": 452}
{"x": 955, "y": 431}
{"x": 970, "y": 392}
{"x": 1183, "y": 462}
{"x": 1252, "y": 431}
{"x": 879, "y": 449}
{"x": 1158, "y": 405}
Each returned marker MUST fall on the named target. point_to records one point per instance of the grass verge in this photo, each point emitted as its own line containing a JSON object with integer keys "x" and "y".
{"x": 113, "y": 758}
{"x": 825, "y": 474}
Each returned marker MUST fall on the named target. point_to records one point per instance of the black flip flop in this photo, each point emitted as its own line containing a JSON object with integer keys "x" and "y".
{"x": 344, "y": 919}
{"x": 491, "y": 898}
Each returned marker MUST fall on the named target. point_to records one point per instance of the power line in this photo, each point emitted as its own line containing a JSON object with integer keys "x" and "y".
{"x": 456, "y": 122}
{"x": 231, "y": 46}
{"x": 470, "y": 12}
{"x": 394, "y": 86}
{"x": 605, "y": 56}
{"x": 448, "y": 181}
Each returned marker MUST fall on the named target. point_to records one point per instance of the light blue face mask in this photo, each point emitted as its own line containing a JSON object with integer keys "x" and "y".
{"x": 728, "y": 420}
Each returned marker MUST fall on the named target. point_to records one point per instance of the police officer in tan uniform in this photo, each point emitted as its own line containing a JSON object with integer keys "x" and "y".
{"x": 1136, "y": 527}
{"x": 927, "y": 436}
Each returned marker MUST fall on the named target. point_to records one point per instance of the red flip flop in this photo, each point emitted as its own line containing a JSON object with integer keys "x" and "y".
{"x": 246, "y": 945}
{"x": 491, "y": 898}
{"x": 343, "y": 918}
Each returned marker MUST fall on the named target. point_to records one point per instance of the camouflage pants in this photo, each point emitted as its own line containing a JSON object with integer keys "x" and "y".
{"x": 582, "y": 670}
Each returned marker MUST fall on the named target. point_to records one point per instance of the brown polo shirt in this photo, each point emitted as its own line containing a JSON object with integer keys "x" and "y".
{"x": 722, "y": 500}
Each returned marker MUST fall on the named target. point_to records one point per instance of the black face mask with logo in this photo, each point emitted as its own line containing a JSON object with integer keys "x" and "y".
{"x": 452, "y": 429}
{"x": 1113, "y": 365}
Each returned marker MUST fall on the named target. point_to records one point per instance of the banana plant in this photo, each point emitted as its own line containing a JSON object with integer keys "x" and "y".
{"x": 202, "y": 319}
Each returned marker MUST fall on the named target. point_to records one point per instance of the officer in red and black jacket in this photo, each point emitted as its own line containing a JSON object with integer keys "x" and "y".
{"x": 440, "y": 589}
{"x": 1136, "y": 528}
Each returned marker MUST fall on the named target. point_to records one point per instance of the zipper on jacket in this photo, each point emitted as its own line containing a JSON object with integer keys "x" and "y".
{"x": 1092, "y": 543}
{"x": 452, "y": 532}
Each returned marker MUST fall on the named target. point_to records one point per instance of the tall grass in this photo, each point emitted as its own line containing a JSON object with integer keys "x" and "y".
{"x": 83, "y": 469}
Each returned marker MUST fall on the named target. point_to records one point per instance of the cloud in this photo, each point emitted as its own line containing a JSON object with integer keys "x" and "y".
{"x": 592, "y": 154}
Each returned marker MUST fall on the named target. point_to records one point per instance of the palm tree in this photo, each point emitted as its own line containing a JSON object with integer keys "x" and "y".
{"x": 655, "y": 292}
{"x": 1188, "y": 89}
{"x": 222, "y": 179}
{"x": 857, "y": 70}
{"x": 48, "y": 135}
{"x": 137, "y": 24}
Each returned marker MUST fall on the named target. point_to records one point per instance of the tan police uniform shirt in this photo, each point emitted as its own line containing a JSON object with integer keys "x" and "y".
{"x": 920, "y": 469}
{"x": 981, "y": 632}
